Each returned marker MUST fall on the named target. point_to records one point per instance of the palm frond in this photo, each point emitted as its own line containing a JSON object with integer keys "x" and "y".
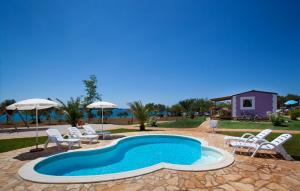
{"x": 72, "y": 110}
{"x": 140, "y": 112}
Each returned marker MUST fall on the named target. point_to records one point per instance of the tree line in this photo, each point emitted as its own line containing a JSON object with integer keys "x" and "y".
{"x": 74, "y": 108}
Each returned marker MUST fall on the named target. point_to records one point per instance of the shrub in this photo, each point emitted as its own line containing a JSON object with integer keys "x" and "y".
{"x": 294, "y": 113}
{"x": 276, "y": 118}
{"x": 152, "y": 121}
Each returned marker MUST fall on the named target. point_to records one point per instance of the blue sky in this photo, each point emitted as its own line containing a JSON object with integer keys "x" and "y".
{"x": 154, "y": 51}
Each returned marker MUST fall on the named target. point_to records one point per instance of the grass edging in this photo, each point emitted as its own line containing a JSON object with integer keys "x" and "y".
{"x": 232, "y": 124}
{"x": 184, "y": 123}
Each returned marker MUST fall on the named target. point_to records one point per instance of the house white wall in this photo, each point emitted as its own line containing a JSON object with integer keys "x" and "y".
{"x": 233, "y": 105}
{"x": 274, "y": 104}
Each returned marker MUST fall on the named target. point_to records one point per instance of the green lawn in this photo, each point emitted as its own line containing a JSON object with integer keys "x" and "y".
{"x": 292, "y": 146}
{"x": 183, "y": 123}
{"x": 18, "y": 143}
{"x": 122, "y": 130}
{"x": 230, "y": 124}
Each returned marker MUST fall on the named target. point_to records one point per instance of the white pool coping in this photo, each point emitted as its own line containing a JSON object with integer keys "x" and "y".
{"x": 27, "y": 171}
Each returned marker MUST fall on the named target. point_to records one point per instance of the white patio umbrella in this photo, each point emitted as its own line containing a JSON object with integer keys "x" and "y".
{"x": 102, "y": 105}
{"x": 30, "y": 104}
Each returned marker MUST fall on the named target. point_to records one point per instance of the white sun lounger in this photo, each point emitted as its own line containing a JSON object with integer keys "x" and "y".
{"x": 262, "y": 144}
{"x": 75, "y": 133}
{"x": 248, "y": 137}
{"x": 54, "y": 136}
{"x": 89, "y": 130}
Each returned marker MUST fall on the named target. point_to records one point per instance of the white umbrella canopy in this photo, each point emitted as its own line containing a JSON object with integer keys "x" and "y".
{"x": 30, "y": 104}
{"x": 102, "y": 105}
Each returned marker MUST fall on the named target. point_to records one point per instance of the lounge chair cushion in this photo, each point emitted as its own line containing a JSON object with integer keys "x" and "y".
{"x": 251, "y": 145}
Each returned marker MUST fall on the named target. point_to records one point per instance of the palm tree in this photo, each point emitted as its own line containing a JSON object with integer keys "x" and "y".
{"x": 140, "y": 112}
{"x": 72, "y": 110}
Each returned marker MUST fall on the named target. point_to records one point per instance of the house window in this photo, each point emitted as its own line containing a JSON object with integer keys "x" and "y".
{"x": 247, "y": 103}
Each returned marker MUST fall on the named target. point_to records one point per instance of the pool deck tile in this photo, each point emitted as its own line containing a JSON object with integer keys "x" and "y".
{"x": 261, "y": 173}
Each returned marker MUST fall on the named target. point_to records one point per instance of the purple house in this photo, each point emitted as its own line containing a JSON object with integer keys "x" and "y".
{"x": 248, "y": 103}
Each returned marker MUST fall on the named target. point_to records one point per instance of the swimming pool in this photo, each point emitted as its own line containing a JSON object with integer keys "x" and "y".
{"x": 127, "y": 157}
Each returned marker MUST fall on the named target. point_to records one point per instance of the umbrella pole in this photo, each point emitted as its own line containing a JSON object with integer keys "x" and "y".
{"x": 36, "y": 128}
{"x": 36, "y": 133}
{"x": 102, "y": 125}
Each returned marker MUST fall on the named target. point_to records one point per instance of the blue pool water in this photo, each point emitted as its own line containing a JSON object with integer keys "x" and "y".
{"x": 129, "y": 154}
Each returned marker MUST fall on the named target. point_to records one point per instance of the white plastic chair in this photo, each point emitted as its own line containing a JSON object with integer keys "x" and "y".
{"x": 248, "y": 137}
{"x": 262, "y": 144}
{"x": 89, "y": 130}
{"x": 54, "y": 136}
{"x": 75, "y": 133}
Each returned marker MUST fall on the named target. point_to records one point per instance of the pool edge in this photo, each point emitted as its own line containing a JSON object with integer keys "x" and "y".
{"x": 27, "y": 171}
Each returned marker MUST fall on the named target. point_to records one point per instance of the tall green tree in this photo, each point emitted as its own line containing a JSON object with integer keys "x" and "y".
{"x": 161, "y": 107}
{"x": 155, "y": 108}
{"x": 91, "y": 94}
{"x": 72, "y": 110}
{"x": 150, "y": 107}
{"x": 140, "y": 112}
{"x": 197, "y": 105}
{"x": 176, "y": 110}
{"x": 91, "y": 90}
{"x": 187, "y": 105}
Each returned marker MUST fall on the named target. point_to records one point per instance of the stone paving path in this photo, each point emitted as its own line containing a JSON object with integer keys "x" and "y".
{"x": 10, "y": 133}
{"x": 245, "y": 174}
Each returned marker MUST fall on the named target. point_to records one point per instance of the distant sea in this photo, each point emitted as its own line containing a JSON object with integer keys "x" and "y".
{"x": 16, "y": 117}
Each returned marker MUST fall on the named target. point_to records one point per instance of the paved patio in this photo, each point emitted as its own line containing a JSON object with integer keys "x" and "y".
{"x": 10, "y": 133}
{"x": 263, "y": 173}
